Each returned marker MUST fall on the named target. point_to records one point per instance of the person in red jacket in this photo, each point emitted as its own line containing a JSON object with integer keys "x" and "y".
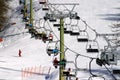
{"x": 51, "y": 37}
{"x": 55, "y": 62}
{"x": 20, "y": 53}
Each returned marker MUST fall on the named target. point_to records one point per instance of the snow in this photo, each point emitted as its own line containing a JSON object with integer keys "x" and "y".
{"x": 99, "y": 14}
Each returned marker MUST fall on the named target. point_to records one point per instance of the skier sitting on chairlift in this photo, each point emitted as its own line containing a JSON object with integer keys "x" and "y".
{"x": 55, "y": 62}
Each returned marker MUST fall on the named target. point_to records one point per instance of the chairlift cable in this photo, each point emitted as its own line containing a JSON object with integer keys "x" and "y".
{"x": 71, "y": 49}
{"x": 93, "y": 75}
{"x": 110, "y": 72}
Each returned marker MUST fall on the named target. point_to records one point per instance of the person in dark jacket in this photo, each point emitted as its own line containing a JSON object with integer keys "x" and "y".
{"x": 20, "y": 53}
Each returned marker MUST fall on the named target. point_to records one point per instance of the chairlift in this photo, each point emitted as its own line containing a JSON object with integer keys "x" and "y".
{"x": 42, "y": 2}
{"x": 49, "y": 36}
{"x": 68, "y": 30}
{"x": 69, "y": 73}
{"x": 92, "y": 47}
{"x": 75, "y": 30}
{"x": 45, "y": 7}
{"x": 116, "y": 71}
{"x": 83, "y": 37}
{"x": 64, "y": 29}
{"x": 68, "y": 26}
{"x": 52, "y": 20}
{"x": 56, "y": 25}
{"x": 109, "y": 57}
{"x": 53, "y": 48}
{"x": 42, "y": 34}
{"x": 25, "y": 19}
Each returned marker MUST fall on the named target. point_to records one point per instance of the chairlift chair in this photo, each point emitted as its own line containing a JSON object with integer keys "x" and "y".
{"x": 109, "y": 57}
{"x": 68, "y": 26}
{"x": 68, "y": 30}
{"x": 83, "y": 37}
{"x": 45, "y": 7}
{"x": 75, "y": 30}
{"x": 52, "y": 20}
{"x": 68, "y": 73}
{"x": 64, "y": 29}
{"x": 56, "y": 25}
{"x": 92, "y": 47}
{"x": 42, "y": 2}
{"x": 53, "y": 48}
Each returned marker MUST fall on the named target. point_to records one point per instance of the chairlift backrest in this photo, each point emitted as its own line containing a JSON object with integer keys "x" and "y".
{"x": 75, "y": 28}
{"x": 42, "y": 1}
{"x": 93, "y": 44}
{"x": 74, "y": 22}
{"x": 68, "y": 21}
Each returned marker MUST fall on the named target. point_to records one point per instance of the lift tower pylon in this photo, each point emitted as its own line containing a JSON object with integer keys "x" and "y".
{"x": 57, "y": 14}
{"x": 31, "y": 13}
{"x": 25, "y": 9}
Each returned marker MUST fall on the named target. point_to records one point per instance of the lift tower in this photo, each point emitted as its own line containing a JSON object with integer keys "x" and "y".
{"x": 25, "y": 9}
{"x": 31, "y": 13}
{"x": 57, "y": 14}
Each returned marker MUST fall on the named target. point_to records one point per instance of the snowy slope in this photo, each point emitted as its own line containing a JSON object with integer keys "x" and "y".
{"x": 99, "y": 14}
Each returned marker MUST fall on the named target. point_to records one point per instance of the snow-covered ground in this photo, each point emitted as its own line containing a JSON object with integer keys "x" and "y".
{"x": 98, "y": 14}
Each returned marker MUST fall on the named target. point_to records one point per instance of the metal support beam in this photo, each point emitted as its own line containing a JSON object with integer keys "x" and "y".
{"x": 25, "y": 9}
{"x": 62, "y": 54}
{"x": 31, "y": 13}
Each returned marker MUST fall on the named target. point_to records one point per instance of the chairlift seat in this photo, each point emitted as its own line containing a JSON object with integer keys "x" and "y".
{"x": 74, "y": 33}
{"x": 67, "y": 32}
{"x": 52, "y": 20}
{"x": 45, "y": 9}
{"x": 82, "y": 39}
{"x": 67, "y": 73}
{"x": 42, "y": 2}
{"x": 56, "y": 25}
{"x": 92, "y": 50}
{"x": 59, "y": 29}
{"x": 116, "y": 71}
